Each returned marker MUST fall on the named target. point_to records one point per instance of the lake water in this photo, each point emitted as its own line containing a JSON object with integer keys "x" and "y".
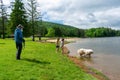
{"x": 106, "y": 57}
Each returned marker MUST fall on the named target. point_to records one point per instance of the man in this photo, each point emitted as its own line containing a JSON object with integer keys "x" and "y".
{"x": 18, "y": 36}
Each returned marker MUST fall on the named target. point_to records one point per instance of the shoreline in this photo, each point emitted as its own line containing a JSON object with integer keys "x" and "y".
{"x": 79, "y": 63}
{"x": 89, "y": 70}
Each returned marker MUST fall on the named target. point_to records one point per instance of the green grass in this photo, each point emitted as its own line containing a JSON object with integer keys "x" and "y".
{"x": 39, "y": 61}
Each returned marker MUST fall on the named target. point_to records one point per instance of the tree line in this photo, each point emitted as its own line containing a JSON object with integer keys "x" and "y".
{"x": 101, "y": 32}
{"x": 59, "y": 30}
{"x": 48, "y": 29}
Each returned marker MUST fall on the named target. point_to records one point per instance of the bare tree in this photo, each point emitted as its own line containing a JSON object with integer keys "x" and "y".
{"x": 32, "y": 12}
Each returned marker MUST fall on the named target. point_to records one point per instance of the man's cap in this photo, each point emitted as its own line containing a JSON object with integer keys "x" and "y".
{"x": 20, "y": 26}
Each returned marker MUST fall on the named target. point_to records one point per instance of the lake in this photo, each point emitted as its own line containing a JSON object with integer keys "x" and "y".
{"x": 106, "y": 57}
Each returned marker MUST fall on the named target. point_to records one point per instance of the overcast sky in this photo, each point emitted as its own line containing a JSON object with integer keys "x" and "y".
{"x": 81, "y": 13}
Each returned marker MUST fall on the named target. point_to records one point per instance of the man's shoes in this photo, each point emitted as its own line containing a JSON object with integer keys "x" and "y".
{"x": 18, "y": 59}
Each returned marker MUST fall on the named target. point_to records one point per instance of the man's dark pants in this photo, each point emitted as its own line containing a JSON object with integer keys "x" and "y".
{"x": 19, "y": 50}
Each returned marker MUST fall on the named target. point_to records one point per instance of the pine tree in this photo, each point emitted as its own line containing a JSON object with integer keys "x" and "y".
{"x": 18, "y": 16}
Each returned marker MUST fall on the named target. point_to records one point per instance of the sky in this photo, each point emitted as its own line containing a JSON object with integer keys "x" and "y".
{"x": 83, "y": 14}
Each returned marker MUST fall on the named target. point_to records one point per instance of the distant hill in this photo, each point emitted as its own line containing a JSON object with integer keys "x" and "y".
{"x": 64, "y": 30}
{"x": 51, "y": 24}
{"x": 60, "y": 30}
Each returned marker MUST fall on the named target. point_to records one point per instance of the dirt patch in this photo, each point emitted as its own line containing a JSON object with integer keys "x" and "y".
{"x": 67, "y": 40}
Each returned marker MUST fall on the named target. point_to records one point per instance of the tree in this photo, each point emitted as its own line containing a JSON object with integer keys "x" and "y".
{"x": 0, "y": 27}
{"x": 58, "y": 32}
{"x": 32, "y": 12}
{"x": 41, "y": 29}
{"x": 90, "y": 32}
{"x": 18, "y": 16}
{"x": 51, "y": 32}
{"x": 118, "y": 33}
{"x": 3, "y": 17}
{"x": 100, "y": 32}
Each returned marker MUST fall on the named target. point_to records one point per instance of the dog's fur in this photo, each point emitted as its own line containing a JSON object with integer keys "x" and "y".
{"x": 85, "y": 52}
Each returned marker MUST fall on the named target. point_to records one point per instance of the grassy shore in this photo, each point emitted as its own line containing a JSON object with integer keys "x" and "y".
{"x": 39, "y": 61}
{"x": 79, "y": 62}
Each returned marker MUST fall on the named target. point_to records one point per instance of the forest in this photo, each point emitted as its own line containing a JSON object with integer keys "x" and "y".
{"x": 59, "y": 30}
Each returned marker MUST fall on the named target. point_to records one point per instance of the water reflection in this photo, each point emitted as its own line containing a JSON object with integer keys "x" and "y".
{"x": 87, "y": 59}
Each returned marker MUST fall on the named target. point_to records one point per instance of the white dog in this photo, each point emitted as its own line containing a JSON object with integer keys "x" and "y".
{"x": 85, "y": 52}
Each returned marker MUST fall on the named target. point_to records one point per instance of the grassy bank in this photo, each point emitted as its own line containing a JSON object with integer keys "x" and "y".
{"x": 39, "y": 61}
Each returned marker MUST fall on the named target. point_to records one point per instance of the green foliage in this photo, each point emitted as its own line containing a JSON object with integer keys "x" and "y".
{"x": 101, "y": 32}
{"x": 18, "y": 16}
{"x": 118, "y": 32}
{"x": 41, "y": 29}
{"x": 90, "y": 32}
{"x": 58, "y": 31}
{"x": 69, "y": 31}
{"x": 39, "y": 61}
{"x": 51, "y": 32}
{"x": 0, "y": 26}
{"x": 64, "y": 30}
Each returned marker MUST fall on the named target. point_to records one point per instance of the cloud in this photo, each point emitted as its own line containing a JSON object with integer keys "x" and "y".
{"x": 109, "y": 18}
{"x": 83, "y": 13}
{"x": 6, "y": 2}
